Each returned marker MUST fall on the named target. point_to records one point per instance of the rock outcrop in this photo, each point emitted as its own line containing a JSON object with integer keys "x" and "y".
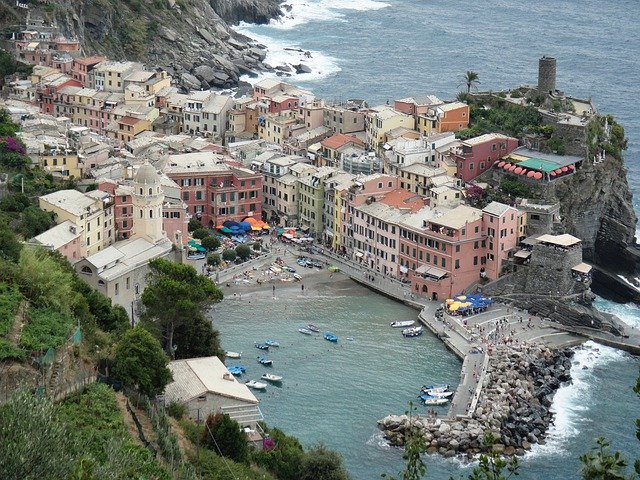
{"x": 513, "y": 407}
{"x": 179, "y": 35}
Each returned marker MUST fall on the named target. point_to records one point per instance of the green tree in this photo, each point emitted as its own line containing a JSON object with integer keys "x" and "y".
{"x": 214, "y": 259}
{"x": 284, "y": 459}
{"x": 229, "y": 255}
{"x": 257, "y": 246}
{"x": 243, "y": 252}
{"x": 8, "y": 127}
{"x": 414, "y": 447}
{"x": 224, "y": 436}
{"x": 470, "y": 80}
{"x": 601, "y": 464}
{"x": 210, "y": 243}
{"x": 9, "y": 245}
{"x": 322, "y": 464}
{"x": 35, "y": 444}
{"x": 194, "y": 224}
{"x": 200, "y": 233}
{"x": 34, "y": 221}
{"x": 197, "y": 338}
{"x": 139, "y": 361}
{"x": 175, "y": 294}
{"x": 14, "y": 202}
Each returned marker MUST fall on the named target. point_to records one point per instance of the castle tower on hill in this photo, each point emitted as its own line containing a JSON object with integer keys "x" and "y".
{"x": 547, "y": 75}
{"x": 148, "y": 197}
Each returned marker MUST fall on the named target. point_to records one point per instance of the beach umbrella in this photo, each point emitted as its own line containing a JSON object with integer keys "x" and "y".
{"x": 565, "y": 169}
{"x": 507, "y": 166}
{"x": 552, "y": 174}
{"x": 218, "y": 227}
{"x": 225, "y": 230}
{"x": 246, "y": 226}
{"x": 538, "y": 175}
{"x": 228, "y": 223}
{"x": 512, "y": 168}
{"x": 449, "y": 301}
{"x": 558, "y": 171}
{"x": 531, "y": 173}
{"x": 572, "y": 167}
{"x": 524, "y": 171}
{"x": 518, "y": 170}
{"x": 501, "y": 164}
{"x": 461, "y": 297}
{"x": 454, "y": 307}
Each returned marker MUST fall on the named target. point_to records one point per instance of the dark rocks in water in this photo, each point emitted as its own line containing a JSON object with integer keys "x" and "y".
{"x": 250, "y": 11}
{"x": 301, "y": 68}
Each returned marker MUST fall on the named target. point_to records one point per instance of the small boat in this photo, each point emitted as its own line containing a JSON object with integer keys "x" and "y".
{"x": 350, "y": 339}
{"x": 270, "y": 377}
{"x": 305, "y": 331}
{"x": 233, "y": 354}
{"x": 402, "y": 323}
{"x": 272, "y": 343}
{"x": 297, "y": 276}
{"x": 236, "y": 370}
{"x": 330, "y": 337}
{"x": 437, "y": 394}
{"x": 265, "y": 361}
{"x": 262, "y": 346}
{"x": 413, "y": 331}
{"x": 439, "y": 387}
{"x": 429, "y": 400}
{"x": 313, "y": 328}
{"x": 255, "y": 385}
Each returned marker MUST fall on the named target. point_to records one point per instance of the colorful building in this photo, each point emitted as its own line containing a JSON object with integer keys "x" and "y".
{"x": 476, "y": 155}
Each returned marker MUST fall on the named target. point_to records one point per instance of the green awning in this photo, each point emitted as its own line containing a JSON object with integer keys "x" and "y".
{"x": 539, "y": 164}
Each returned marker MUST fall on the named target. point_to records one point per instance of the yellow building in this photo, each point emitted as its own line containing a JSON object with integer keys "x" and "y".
{"x": 91, "y": 212}
{"x": 381, "y": 120}
{"x": 60, "y": 162}
{"x": 276, "y": 128}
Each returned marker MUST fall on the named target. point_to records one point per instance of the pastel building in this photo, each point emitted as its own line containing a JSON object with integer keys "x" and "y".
{"x": 65, "y": 238}
{"x": 343, "y": 120}
{"x": 447, "y": 117}
{"x": 381, "y": 120}
{"x": 444, "y": 251}
{"x": 476, "y": 155}
{"x": 91, "y": 213}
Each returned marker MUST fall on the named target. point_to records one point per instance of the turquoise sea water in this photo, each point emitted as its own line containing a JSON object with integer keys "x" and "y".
{"x": 388, "y": 49}
{"x": 334, "y": 394}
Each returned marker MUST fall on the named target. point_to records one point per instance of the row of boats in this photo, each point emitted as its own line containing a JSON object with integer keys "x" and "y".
{"x": 434, "y": 395}
{"x": 408, "y": 328}
{"x": 237, "y": 370}
{"x": 310, "y": 329}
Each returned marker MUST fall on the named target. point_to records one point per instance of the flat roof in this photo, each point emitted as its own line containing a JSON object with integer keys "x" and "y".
{"x": 582, "y": 268}
{"x": 194, "y": 377}
{"x": 522, "y": 254}
{"x": 431, "y": 271}
{"x": 457, "y": 217}
{"x": 496, "y": 208}
{"x": 564, "y": 240}
{"x": 197, "y": 162}
{"x": 72, "y": 201}
{"x": 59, "y": 235}
{"x": 487, "y": 137}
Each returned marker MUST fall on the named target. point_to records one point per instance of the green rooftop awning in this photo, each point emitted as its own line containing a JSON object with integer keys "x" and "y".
{"x": 539, "y": 164}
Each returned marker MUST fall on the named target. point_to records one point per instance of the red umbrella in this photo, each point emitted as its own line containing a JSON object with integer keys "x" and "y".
{"x": 558, "y": 171}
{"x": 552, "y": 174}
{"x": 512, "y": 168}
{"x": 501, "y": 164}
{"x": 537, "y": 175}
{"x": 523, "y": 172}
{"x": 531, "y": 173}
{"x": 506, "y": 166}
{"x": 572, "y": 167}
{"x": 565, "y": 169}
{"x": 518, "y": 170}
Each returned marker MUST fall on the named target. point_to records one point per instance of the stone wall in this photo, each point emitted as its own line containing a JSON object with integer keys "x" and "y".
{"x": 549, "y": 270}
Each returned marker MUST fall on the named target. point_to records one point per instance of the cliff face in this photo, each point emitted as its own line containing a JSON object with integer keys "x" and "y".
{"x": 188, "y": 37}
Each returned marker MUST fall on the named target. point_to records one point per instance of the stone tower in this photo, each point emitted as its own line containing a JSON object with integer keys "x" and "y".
{"x": 147, "y": 204}
{"x": 547, "y": 75}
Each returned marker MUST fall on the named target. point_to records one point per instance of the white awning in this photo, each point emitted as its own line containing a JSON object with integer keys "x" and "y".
{"x": 403, "y": 269}
{"x": 426, "y": 270}
{"x": 522, "y": 254}
{"x": 582, "y": 268}
{"x": 359, "y": 254}
{"x": 328, "y": 233}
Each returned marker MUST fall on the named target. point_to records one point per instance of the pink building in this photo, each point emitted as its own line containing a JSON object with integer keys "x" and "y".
{"x": 82, "y": 66}
{"x": 443, "y": 252}
{"x": 476, "y": 155}
{"x": 415, "y": 106}
{"x": 65, "y": 238}
{"x": 282, "y": 103}
{"x": 213, "y": 190}
{"x": 122, "y": 207}
{"x": 376, "y": 232}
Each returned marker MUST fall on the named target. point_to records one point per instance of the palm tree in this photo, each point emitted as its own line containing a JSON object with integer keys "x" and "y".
{"x": 470, "y": 79}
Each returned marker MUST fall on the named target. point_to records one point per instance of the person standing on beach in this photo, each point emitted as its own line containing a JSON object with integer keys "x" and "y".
{"x": 302, "y": 287}
{"x": 274, "y": 291}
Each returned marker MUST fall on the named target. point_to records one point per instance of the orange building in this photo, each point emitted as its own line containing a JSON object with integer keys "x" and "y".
{"x": 448, "y": 117}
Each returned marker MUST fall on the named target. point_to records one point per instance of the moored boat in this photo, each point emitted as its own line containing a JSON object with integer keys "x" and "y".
{"x": 233, "y": 354}
{"x": 236, "y": 370}
{"x": 255, "y": 385}
{"x": 438, "y": 394}
{"x": 270, "y": 377}
{"x": 265, "y": 361}
{"x": 429, "y": 400}
{"x": 437, "y": 387}
{"x": 305, "y": 331}
{"x": 313, "y": 328}
{"x": 272, "y": 343}
{"x": 402, "y": 323}
{"x": 262, "y": 346}
{"x": 330, "y": 337}
{"x": 413, "y": 331}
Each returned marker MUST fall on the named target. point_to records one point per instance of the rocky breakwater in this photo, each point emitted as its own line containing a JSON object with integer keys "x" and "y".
{"x": 513, "y": 406}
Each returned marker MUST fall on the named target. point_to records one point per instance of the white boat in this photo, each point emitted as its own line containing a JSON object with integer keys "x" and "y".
{"x": 233, "y": 354}
{"x": 435, "y": 401}
{"x": 413, "y": 331}
{"x": 442, "y": 387}
{"x": 305, "y": 331}
{"x": 270, "y": 377}
{"x": 439, "y": 394}
{"x": 256, "y": 385}
{"x": 402, "y": 323}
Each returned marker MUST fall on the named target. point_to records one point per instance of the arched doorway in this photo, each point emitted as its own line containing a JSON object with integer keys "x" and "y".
{"x": 424, "y": 289}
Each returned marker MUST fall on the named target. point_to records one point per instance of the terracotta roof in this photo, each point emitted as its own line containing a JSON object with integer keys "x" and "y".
{"x": 403, "y": 199}
{"x": 129, "y": 120}
{"x": 339, "y": 139}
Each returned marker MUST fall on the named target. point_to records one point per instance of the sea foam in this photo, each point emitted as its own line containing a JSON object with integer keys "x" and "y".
{"x": 572, "y": 402}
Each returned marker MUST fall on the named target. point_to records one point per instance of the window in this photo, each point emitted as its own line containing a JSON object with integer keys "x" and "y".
{"x": 493, "y": 147}
{"x": 117, "y": 291}
{"x": 471, "y": 167}
{"x": 475, "y": 260}
{"x": 136, "y": 289}
{"x": 457, "y": 264}
{"x": 128, "y": 281}
{"x": 185, "y": 196}
{"x": 458, "y": 248}
{"x": 199, "y": 195}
